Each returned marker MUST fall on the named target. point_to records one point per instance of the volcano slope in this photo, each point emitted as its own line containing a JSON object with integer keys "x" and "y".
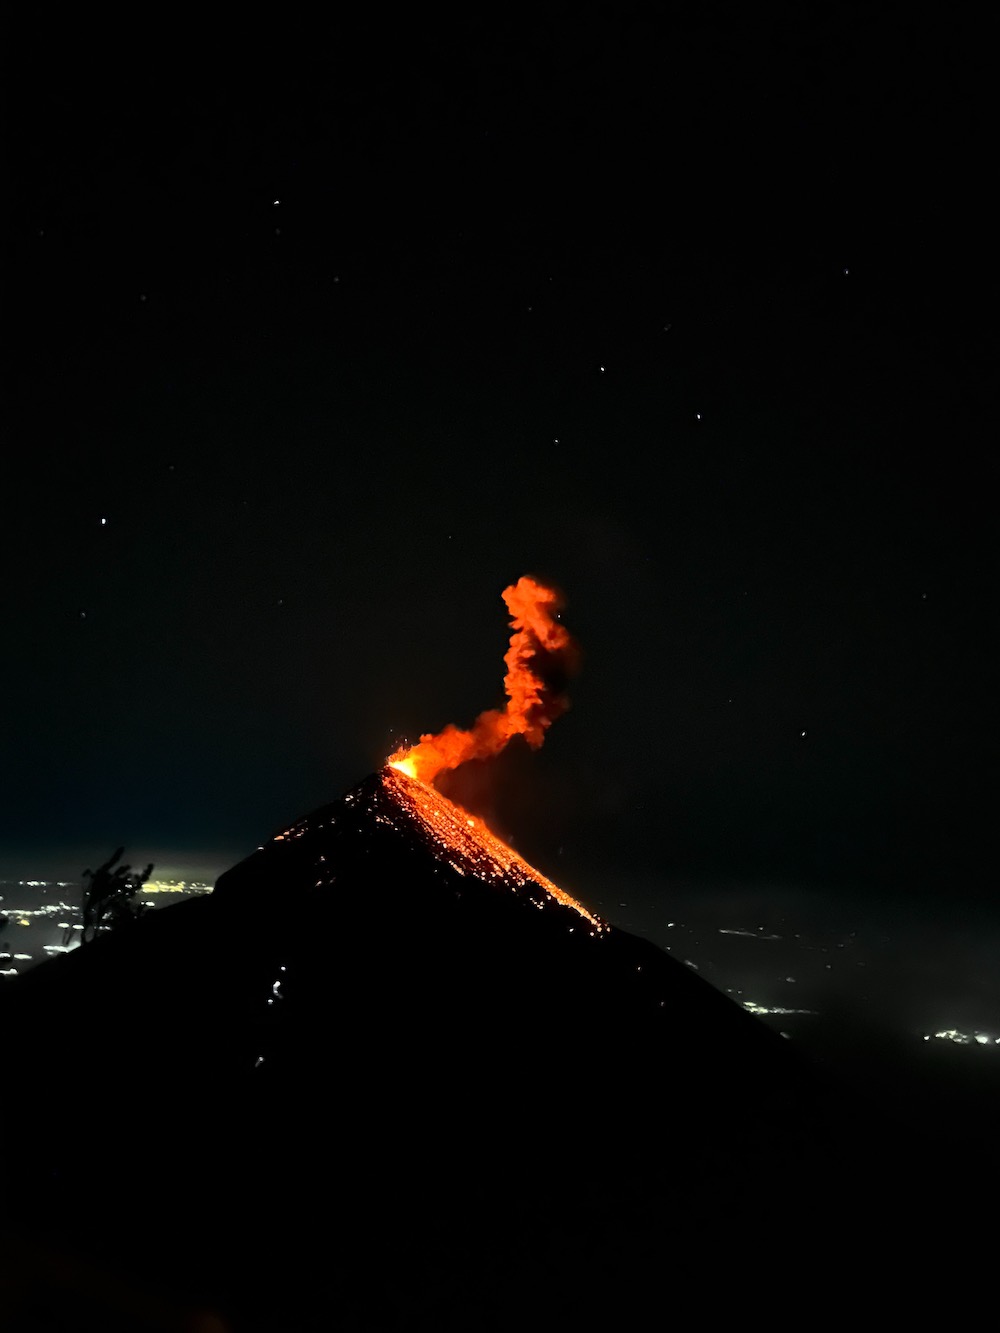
{"x": 387, "y": 1075}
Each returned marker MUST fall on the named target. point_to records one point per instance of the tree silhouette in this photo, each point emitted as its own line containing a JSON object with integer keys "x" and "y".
{"x": 109, "y": 899}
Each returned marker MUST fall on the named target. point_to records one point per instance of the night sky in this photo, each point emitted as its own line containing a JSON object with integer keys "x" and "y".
{"x": 323, "y": 337}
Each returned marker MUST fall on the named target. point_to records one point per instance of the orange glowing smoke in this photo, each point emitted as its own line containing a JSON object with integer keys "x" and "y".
{"x": 540, "y": 658}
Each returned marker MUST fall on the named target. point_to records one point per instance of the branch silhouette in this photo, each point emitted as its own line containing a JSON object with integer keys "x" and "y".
{"x": 109, "y": 899}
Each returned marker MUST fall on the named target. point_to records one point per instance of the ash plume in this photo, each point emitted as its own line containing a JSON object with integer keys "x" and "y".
{"x": 540, "y": 659}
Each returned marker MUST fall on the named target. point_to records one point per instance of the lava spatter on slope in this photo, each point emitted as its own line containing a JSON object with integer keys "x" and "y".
{"x": 468, "y": 846}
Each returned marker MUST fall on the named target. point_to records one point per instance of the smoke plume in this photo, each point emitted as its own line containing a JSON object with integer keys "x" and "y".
{"x": 541, "y": 657}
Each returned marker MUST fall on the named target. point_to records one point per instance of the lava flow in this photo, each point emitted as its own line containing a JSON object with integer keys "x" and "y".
{"x": 540, "y": 658}
{"x": 468, "y": 846}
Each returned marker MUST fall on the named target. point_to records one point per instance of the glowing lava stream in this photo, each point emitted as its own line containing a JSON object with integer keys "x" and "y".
{"x": 467, "y": 844}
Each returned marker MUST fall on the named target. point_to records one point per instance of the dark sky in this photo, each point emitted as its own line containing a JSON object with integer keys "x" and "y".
{"x": 341, "y": 329}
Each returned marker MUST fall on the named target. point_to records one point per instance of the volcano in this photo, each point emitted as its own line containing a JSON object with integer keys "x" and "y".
{"x": 389, "y": 1075}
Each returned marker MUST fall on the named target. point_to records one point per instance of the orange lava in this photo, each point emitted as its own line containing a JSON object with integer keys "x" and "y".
{"x": 541, "y": 655}
{"x": 469, "y": 847}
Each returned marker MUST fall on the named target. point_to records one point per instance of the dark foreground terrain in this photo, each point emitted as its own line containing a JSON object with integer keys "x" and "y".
{"x": 440, "y": 1105}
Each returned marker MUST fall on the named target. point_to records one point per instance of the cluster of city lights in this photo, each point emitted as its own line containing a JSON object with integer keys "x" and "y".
{"x": 175, "y": 886}
{"x": 774, "y": 1009}
{"x": 65, "y": 917}
{"x": 963, "y": 1038}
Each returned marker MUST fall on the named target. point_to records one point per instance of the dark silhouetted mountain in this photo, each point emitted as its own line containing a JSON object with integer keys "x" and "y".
{"x": 386, "y": 1076}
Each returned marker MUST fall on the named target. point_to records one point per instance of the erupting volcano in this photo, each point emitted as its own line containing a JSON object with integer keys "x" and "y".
{"x": 541, "y": 657}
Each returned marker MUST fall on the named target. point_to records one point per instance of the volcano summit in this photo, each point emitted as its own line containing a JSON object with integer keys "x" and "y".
{"x": 402, "y": 1080}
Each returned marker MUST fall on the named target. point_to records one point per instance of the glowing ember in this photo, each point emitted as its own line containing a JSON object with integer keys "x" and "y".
{"x": 540, "y": 657}
{"x": 468, "y": 846}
